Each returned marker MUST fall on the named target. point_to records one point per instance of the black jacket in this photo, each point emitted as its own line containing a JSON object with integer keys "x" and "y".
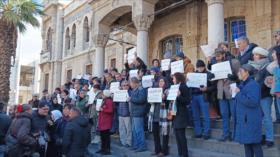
{"x": 184, "y": 99}
{"x": 39, "y": 123}
{"x": 76, "y": 137}
{"x": 248, "y": 55}
{"x": 5, "y": 122}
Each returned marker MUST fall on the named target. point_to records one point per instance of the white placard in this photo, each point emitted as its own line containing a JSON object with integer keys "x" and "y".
{"x": 147, "y": 81}
{"x": 177, "y": 66}
{"x": 86, "y": 76}
{"x": 221, "y": 70}
{"x": 73, "y": 93}
{"x": 236, "y": 43}
{"x": 155, "y": 95}
{"x": 233, "y": 87}
{"x": 120, "y": 96}
{"x": 114, "y": 86}
{"x": 165, "y": 64}
{"x": 172, "y": 93}
{"x": 131, "y": 55}
{"x": 207, "y": 50}
{"x": 91, "y": 96}
{"x": 59, "y": 100}
{"x": 196, "y": 80}
{"x": 99, "y": 104}
{"x": 133, "y": 73}
{"x": 78, "y": 77}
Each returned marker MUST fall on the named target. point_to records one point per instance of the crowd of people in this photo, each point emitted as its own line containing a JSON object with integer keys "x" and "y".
{"x": 83, "y": 111}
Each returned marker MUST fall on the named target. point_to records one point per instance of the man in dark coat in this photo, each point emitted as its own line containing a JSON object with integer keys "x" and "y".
{"x": 19, "y": 139}
{"x": 5, "y": 122}
{"x": 245, "y": 50}
{"x": 34, "y": 102}
{"x": 77, "y": 135}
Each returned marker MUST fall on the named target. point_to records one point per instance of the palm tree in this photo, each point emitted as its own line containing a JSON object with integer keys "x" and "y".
{"x": 14, "y": 16}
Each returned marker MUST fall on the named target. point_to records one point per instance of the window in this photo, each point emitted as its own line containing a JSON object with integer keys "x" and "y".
{"x": 113, "y": 63}
{"x": 86, "y": 30}
{"x": 234, "y": 28}
{"x": 172, "y": 44}
{"x": 73, "y": 36}
{"x": 49, "y": 40}
{"x": 89, "y": 69}
{"x": 46, "y": 81}
{"x": 67, "y": 39}
{"x": 69, "y": 75}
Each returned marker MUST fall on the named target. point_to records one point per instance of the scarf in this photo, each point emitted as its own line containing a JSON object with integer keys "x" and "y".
{"x": 164, "y": 123}
{"x": 260, "y": 64}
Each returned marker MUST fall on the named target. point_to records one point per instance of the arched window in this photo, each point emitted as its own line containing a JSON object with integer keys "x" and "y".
{"x": 172, "y": 44}
{"x": 49, "y": 40}
{"x": 73, "y": 36}
{"x": 234, "y": 28}
{"x": 86, "y": 30}
{"x": 67, "y": 39}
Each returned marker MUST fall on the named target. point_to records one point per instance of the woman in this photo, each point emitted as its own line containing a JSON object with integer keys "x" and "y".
{"x": 260, "y": 63}
{"x": 248, "y": 114}
{"x": 82, "y": 102}
{"x": 156, "y": 63}
{"x": 105, "y": 122}
{"x": 180, "y": 120}
{"x": 55, "y": 105}
{"x": 160, "y": 124}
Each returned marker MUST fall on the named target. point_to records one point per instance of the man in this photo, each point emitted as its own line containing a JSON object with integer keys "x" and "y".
{"x": 5, "y": 122}
{"x": 34, "y": 102}
{"x": 20, "y": 142}
{"x": 109, "y": 78}
{"x": 245, "y": 50}
{"x": 137, "y": 100}
{"x": 46, "y": 97}
{"x": 76, "y": 135}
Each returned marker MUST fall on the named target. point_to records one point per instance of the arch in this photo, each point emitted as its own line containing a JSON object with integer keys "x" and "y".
{"x": 171, "y": 43}
{"x": 86, "y": 30}
{"x": 73, "y": 36}
{"x": 67, "y": 39}
{"x": 49, "y": 40}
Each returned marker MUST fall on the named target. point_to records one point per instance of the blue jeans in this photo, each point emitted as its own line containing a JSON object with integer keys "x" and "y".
{"x": 227, "y": 111}
{"x": 277, "y": 109}
{"x": 267, "y": 119}
{"x": 199, "y": 105}
{"x": 277, "y": 100}
{"x": 138, "y": 134}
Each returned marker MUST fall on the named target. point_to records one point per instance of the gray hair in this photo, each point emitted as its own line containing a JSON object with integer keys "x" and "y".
{"x": 243, "y": 38}
{"x": 134, "y": 80}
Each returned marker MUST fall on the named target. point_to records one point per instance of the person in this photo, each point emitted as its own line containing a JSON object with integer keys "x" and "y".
{"x": 82, "y": 102}
{"x": 160, "y": 124}
{"x": 156, "y": 63}
{"x": 260, "y": 63}
{"x": 105, "y": 122}
{"x": 19, "y": 139}
{"x": 55, "y": 105}
{"x": 5, "y": 122}
{"x": 137, "y": 99}
{"x": 93, "y": 114}
{"x": 245, "y": 50}
{"x": 46, "y": 97}
{"x": 66, "y": 100}
{"x": 188, "y": 66}
{"x": 225, "y": 99}
{"x": 34, "y": 102}
{"x": 76, "y": 135}
{"x": 200, "y": 103}
{"x": 109, "y": 79}
{"x": 248, "y": 115}
{"x": 124, "y": 119}
{"x": 53, "y": 150}
{"x": 180, "y": 120}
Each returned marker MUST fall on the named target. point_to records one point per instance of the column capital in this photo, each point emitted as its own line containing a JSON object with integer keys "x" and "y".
{"x": 100, "y": 40}
{"x": 143, "y": 22}
{"x": 210, "y": 2}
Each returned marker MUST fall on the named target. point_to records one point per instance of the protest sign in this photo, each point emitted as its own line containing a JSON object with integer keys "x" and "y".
{"x": 120, "y": 96}
{"x": 131, "y": 55}
{"x": 207, "y": 50}
{"x": 221, "y": 70}
{"x": 165, "y": 64}
{"x": 133, "y": 73}
{"x": 147, "y": 81}
{"x": 172, "y": 93}
{"x": 177, "y": 66}
{"x": 99, "y": 104}
{"x": 114, "y": 86}
{"x": 155, "y": 95}
{"x": 91, "y": 97}
{"x": 197, "y": 80}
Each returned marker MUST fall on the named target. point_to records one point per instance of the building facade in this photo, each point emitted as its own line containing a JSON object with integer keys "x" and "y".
{"x": 83, "y": 36}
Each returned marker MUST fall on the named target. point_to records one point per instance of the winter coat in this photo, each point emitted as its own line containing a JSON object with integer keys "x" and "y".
{"x": 105, "y": 119}
{"x": 260, "y": 78}
{"x": 19, "y": 138}
{"x": 248, "y": 114}
{"x": 123, "y": 109}
{"x": 34, "y": 103}
{"x": 92, "y": 108}
{"x": 81, "y": 104}
{"x": 248, "y": 55}
{"x": 39, "y": 123}
{"x": 76, "y": 137}
{"x": 138, "y": 102}
{"x": 276, "y": 80}
{"x": 56, "y": 107}
{"x": 5, "y": 122}
{"x": 182, "y": 101}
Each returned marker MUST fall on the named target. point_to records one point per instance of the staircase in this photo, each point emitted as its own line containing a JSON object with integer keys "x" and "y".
{"x": 197, "y": 147}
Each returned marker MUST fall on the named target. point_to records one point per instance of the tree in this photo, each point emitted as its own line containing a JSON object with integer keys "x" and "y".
{"x": 14, "y": 16}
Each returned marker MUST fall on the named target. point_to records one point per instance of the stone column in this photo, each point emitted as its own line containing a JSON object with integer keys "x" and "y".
{"x": 100, "y": 41}
{"x": 215, "y": 21}
{"x": 142, "y": 24}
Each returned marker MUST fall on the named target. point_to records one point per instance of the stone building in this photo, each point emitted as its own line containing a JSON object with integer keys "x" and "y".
{"x": 83, "y": 36}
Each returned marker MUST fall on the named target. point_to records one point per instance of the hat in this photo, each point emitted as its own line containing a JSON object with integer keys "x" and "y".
{"x": 200, "y": 63}
{"x": 260, "y": 51}
{"x": 167, "y": 55}
{"x": 249, "y": 68}
{"x": 155, "y": 69}
{"x": 26, "y": 107}
{"x": 107, "y": 93}
{"x": 56, "y": 114}
{"x": 180, "y": 54}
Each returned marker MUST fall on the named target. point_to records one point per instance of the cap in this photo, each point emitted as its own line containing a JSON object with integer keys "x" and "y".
{"x": 260, "y": 51}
